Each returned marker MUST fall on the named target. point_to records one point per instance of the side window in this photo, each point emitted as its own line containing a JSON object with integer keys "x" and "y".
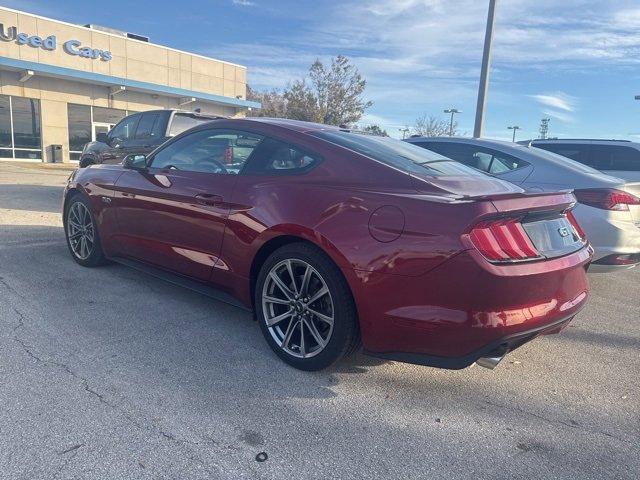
{"x": 577, "y": 152}
{"x": 615, "y": 157}
{"x": 460, "y": 153}
{"x": 149, "y": 126}
{"x": 484, "y": 159}
{"x": 209, "y": 151}
{"x": 126, "y": 128}
{"x": 502, "y": 163}
{"x": 481, "y": 161}
{"x": 275, "y": 157}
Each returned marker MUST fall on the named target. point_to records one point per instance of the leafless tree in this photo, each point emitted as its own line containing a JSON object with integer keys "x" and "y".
{"x": 273, "y": 103}
{"x": 430, "y": 126}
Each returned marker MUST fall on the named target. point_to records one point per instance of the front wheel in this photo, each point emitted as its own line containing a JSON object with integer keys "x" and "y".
{"x": 81, "y": 233}
{"x": 305, "y": 308}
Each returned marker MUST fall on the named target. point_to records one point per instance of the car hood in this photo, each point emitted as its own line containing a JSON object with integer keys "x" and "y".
{"x": 464, "y": 186}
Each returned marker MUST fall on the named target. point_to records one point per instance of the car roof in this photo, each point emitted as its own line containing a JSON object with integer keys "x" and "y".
{"x": 295, "y": 125}
{"x": 548, "y": 167}
{"x": 590, "y": 141}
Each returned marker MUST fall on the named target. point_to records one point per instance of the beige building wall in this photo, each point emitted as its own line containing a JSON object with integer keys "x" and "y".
{"x": 132, "y": 60}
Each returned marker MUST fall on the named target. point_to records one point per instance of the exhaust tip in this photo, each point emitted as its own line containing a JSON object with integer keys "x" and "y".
{"x": 489, "y": 362}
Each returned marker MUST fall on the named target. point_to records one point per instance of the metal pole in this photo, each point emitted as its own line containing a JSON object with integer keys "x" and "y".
{"x": 452, "y": 111}
{"x": 478, "y": 129}
{"x": 515, "y": 128}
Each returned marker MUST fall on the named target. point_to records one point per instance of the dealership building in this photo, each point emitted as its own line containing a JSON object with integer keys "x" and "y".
{"x": 62, "y": 84}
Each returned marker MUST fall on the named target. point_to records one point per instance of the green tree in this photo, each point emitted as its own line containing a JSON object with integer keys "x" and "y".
{"x": 376, "y": 130}
{"x": 332, "y": 95}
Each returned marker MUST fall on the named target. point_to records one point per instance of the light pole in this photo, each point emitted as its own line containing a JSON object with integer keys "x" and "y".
{"x": 478, "y": 129}
{"x": 452, "y": 111}
{"x": 404, "y": 131}
{"x": 515, "y": 128}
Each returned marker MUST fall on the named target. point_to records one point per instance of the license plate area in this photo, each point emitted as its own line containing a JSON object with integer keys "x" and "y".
{"x": 552, "y": 237}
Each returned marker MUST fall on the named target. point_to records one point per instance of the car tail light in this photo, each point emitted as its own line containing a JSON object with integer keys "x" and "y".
{"x": 503, "y": 241}
{"x": 576, "y": 225}
{"x": 606, "y": 198}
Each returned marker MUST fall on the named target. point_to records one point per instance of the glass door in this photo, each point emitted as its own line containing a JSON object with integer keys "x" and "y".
{"x": 100, "y": 128}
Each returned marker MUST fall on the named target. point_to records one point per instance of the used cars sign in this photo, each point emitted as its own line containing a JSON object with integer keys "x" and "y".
{"x": 72, "y": 47}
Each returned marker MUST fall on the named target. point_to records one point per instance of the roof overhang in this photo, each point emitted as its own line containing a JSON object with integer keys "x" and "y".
{"x": 46, "y": 70}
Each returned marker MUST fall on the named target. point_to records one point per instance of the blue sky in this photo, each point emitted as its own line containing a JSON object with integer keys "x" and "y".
{"x": 575, "y": 61}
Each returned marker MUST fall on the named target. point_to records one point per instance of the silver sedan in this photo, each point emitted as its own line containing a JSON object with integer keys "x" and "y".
{"x": 608, "y": 208}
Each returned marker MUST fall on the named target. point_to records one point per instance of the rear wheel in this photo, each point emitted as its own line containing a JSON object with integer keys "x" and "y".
{"x": 81, "y": 233}
{"x": 305, "y": 309}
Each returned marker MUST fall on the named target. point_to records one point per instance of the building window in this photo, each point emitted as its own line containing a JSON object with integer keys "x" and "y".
{"x": 20, "y": 132}
{"x": 79, "y": 128}
{"x": 108, "y": 115}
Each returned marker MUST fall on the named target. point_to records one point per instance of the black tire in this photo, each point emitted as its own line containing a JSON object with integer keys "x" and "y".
{"x": 96, "y": 256}
{"x": 343, "y": 337}
{"x": 85, "y": 162}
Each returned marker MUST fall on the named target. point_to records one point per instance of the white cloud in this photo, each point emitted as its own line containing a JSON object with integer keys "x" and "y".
{"x": 560, "y": 101}
{"x": 243, "y": 3}
{"x": 420, "y": 56}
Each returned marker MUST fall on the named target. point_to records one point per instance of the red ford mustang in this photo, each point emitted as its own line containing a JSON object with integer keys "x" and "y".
{"x": 338, "y": 239}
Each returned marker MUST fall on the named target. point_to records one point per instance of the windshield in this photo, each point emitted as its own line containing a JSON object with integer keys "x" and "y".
{"x": 401, "y": 155}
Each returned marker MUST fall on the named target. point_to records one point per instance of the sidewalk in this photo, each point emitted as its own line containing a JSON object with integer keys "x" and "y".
{"x": 69, "y": 167}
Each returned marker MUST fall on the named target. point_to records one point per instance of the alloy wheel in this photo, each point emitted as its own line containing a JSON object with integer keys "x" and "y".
{"x": 298, "y": 308}
{"x": 80, "y": 231}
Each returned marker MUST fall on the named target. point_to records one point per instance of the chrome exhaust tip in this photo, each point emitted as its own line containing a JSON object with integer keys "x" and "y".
{"x": 490, "y": 362}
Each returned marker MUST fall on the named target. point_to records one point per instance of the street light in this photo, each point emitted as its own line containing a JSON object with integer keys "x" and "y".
{"x": 404, "y": 131}
{"x": 515, "y": 128}
{"x": 478, "y": 128}
{"x": 452, "y": 111}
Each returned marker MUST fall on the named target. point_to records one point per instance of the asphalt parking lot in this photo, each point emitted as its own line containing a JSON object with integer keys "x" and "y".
{"x": 108, "y": 373}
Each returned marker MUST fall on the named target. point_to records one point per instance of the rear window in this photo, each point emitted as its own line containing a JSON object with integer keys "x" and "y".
{"x": 185, "y": 121}
{"x": 401, "y": 155}
{"x": 615, "y": 157}
{"x": 574, "y": 151}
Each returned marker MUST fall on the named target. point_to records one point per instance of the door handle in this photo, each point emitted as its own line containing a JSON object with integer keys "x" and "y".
{"x": 208, "y": 199}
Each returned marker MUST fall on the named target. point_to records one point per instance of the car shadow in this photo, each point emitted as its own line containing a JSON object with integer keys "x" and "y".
{"x": 35, "y": 198}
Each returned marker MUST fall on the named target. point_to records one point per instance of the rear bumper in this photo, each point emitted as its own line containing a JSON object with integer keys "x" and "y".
{"x": 466, "y": 307}
{"x": 496, "y": 348}
{"x": 610, "y": 234}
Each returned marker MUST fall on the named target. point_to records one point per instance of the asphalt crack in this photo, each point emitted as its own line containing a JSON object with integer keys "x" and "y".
{"x": 572, "y": 424}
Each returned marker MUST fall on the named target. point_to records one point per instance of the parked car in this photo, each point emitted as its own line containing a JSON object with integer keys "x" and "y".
{"x": 335, "y": 238}
{"x": 608, "y": 208}
{"x": 139, "y": 133}
{"x": 618, "y": 158}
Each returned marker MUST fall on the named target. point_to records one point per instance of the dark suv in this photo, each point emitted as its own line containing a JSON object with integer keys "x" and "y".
{"x": 139, "y": 133}
{"x": 618, "y": 158}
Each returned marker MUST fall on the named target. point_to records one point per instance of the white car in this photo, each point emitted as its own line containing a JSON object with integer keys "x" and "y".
{"x": 608, "y": 208}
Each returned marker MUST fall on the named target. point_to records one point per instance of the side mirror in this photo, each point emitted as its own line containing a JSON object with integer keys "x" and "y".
{"x": 102, "y": 137}
{"x": 135, "y": 161}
